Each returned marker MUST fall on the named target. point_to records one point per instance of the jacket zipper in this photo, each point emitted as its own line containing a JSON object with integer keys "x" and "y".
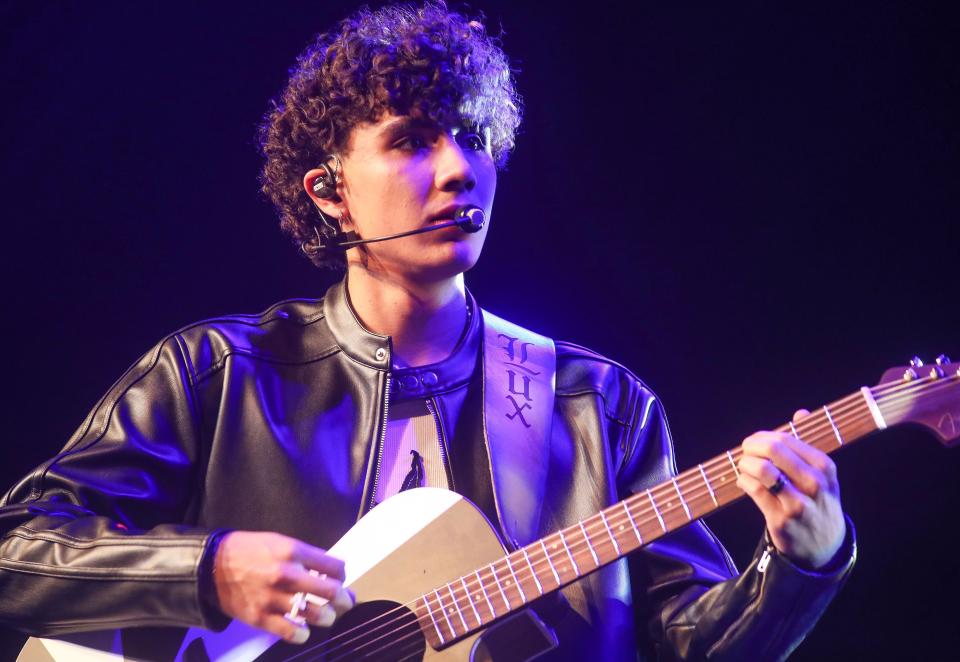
{"x": 444, "y": 454}
{"x": 765, "y": 559}
{"x": 380, "y": 443}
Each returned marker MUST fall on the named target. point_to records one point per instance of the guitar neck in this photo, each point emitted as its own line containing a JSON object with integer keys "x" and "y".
{"x": 471, "y": 602}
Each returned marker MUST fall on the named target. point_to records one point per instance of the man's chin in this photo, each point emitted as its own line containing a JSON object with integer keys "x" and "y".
{"x": 432, "y": 264}
{"x": 456, "y": 262}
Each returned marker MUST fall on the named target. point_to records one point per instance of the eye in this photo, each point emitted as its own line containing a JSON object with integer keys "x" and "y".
{"x": 472, "y": 139}
{"x": 474, "y": 142}
{"x": 411, "y": 142}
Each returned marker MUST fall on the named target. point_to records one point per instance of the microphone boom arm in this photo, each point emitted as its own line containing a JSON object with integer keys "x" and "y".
{"x": 465, "y": 219}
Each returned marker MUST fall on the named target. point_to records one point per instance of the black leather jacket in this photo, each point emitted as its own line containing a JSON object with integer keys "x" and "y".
{"x": 271, "y": 422}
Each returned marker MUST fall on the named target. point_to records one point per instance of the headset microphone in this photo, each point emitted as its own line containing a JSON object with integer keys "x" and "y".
{"x": 468, "y": 218}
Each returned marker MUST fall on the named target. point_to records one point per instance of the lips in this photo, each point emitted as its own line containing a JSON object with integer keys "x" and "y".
{"x": 445, "y": 214}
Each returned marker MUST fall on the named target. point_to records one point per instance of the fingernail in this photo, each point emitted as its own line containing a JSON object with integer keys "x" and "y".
{"x": 327, "y": 616}
{"x": 300, "y": 635}
{"x": 343, "y": 600}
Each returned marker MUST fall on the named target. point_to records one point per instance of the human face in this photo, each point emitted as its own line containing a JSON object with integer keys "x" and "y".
{"x": 400, "y": 173}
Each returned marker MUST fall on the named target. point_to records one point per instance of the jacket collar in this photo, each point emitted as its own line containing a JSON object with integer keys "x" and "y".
{"x": 375, "y": 350}
{"x": 370, "y": 349}
{"x": 446, "y": 375}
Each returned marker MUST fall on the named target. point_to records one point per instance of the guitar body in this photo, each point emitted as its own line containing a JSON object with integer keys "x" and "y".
{"x": 412, "y": 542}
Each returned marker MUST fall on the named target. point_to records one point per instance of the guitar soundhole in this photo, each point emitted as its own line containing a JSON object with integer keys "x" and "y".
{"x": 378, "y": 631}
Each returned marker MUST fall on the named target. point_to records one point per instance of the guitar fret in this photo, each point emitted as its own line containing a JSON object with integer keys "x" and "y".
{"x": 503, "y": 594}
{"x": 636, "y": 531}
{"x": 493, "y": 612}
{"x": 536, "y": 580}
{"x": 682, "y": 500}
{"x": 833, "y": 425}
{"x": 657, "y": 511}
{"x": 586, "y": 538}
{"x": 707, "y": 483}
{"x": 456, "y": 605}
{"x": 466, "y": 591}
{"x": 616, "y": 545}
{"x": 573, "y": 561}
{"x": 433, "y": 620}
{"x": 523, "y": 596}
{"x": 733, "y": 464}
{"x": 443, "y": 610}
{"x": 546, "y": 554}
{"x": 793, "y": 429}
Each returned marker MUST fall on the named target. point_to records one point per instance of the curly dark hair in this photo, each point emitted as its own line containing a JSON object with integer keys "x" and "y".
{"x": 427, "y": 62}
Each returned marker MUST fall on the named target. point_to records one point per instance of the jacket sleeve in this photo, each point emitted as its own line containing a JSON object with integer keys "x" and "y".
{"x": 86, "y": 540}
{"x": 690, "y": 602}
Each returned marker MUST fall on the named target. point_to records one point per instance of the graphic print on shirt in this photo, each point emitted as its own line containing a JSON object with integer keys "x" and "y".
{"x": 411, "y": 427}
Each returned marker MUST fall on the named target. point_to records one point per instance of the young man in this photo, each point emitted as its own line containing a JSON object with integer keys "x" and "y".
{"x": 206, "y": 485}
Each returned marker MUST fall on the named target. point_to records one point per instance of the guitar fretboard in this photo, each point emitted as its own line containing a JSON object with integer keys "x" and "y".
{"x": 473, "y": 601}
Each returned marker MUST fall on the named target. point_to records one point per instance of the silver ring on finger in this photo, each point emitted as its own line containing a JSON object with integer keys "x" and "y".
{"x": 298, "y": 605}
{"x": 778, "y": 485}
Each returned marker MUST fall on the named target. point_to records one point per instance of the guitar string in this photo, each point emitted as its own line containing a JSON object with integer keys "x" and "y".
{"x": 666, "y": 510}
{"x": 412, "y": 634}
{"x": 825, "y": 437}
{"x": 413, "y": 618}
{"x": 841, "y": 413}
{"x": 411, "y": 623}
{"x": 597, "y": 525}
{"x": 404, "y": 616}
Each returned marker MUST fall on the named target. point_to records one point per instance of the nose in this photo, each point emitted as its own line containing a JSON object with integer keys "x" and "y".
{"x": 454, "y": 170}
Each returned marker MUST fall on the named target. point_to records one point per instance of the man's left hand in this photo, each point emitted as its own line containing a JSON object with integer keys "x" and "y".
{"x": 804, "y": 516}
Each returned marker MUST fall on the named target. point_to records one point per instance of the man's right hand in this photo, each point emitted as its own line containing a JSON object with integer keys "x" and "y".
{"x": 258, "y": 574}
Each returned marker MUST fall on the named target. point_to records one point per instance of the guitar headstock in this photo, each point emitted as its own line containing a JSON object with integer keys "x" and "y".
{"x": 924, "y": 394}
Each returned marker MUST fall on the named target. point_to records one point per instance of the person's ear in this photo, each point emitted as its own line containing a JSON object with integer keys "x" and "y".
{"x": 322, "y": 185}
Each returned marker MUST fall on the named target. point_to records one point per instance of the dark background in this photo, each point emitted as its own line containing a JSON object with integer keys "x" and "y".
{"x": 752, "y": 206}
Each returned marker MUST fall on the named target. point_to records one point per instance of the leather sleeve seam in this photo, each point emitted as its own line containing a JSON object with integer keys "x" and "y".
{"x": 79, "y": 543}
{"x": 751, "y": 606}
{"x": 56, "y": 628}
{"x": 191, "y": 369}
{"x": 592, "y": 391}
{"x": 218, "y": 364}
{"x": 260, "y": 319}
{"x": 593, "y": 356}
{"x": 74, "y": 446}
{"x": 108, "y": 574}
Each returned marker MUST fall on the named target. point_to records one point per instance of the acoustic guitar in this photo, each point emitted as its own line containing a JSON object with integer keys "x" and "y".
{"x": 434, "y": 582}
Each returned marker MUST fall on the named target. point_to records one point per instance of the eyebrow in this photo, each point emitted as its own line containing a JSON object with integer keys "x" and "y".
{"x": 407, "y": 123}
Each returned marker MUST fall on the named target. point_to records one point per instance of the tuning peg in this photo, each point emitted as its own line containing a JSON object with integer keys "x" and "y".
{"x": 943, "y": 360}
{"x": 916, "y": 362}
{"x": 909, "y": 375}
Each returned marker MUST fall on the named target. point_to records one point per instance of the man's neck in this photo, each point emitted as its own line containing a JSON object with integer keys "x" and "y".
{"x": 424, "y": 321}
